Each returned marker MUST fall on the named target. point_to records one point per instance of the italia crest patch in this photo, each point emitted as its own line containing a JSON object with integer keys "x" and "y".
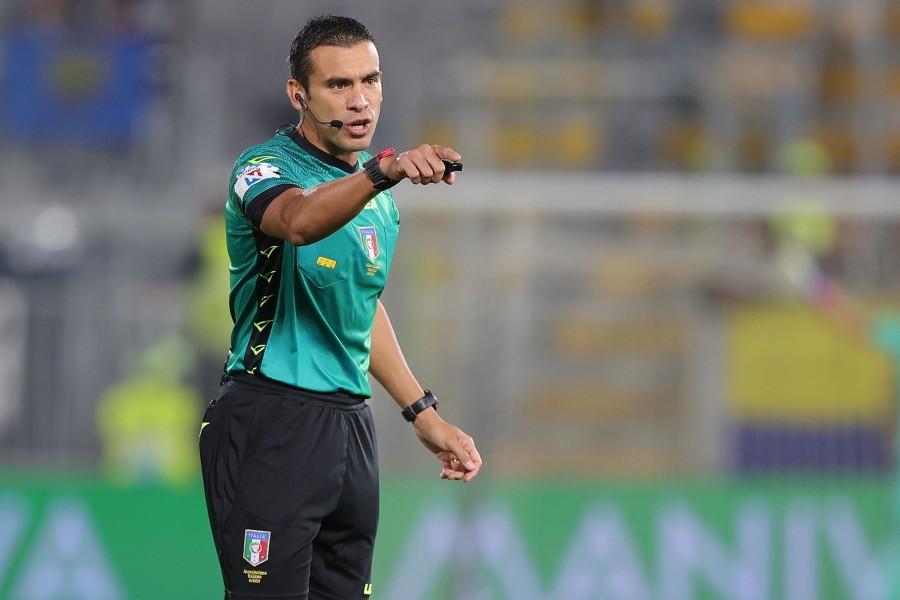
{"x": 369, "y": 241}
{"x": 256, "y": 546}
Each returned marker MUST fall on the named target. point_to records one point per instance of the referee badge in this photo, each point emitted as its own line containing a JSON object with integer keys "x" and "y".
{"x": 369, "y": 241}
{"x": 252, "y": 174}
{"x": 256, "y": 546}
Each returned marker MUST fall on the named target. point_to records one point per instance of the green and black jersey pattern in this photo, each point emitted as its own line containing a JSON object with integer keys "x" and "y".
{"x": 303, "y": 314}
{"x": 270, "y": 254}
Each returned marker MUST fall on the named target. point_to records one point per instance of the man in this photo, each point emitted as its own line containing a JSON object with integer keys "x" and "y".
{"x": 288, "y": 446}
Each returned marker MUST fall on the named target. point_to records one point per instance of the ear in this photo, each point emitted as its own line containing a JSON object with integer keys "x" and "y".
{"x": 294, "y": 92}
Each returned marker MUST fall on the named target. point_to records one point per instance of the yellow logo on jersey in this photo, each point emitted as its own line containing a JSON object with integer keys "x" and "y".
{"x": 326, "y": 262}
{"x": 262, "y": 324}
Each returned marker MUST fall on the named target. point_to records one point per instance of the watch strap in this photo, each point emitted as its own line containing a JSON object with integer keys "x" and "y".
{"x": 412, "y": 411}
{"x": 372, "y": 167}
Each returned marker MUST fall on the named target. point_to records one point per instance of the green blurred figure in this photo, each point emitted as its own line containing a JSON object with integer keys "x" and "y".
{"x": 206, "y": 312}
{"x": 806, "y": 237}
{"x": 147, "y": 421}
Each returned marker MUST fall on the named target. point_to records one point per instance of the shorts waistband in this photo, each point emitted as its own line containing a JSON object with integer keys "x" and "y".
{"x": 271, "y": 386}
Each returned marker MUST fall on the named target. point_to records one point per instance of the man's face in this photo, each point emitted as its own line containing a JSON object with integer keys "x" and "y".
{"x": 345, "y": 84}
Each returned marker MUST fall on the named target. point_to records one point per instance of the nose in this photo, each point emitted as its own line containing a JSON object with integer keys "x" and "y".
{"x": 357, "y": 101}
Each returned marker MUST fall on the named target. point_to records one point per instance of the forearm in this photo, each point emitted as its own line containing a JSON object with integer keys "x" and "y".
{"x": 455, "y": 449}
{"x": 309, "y": 215}
{"x": 388, "y": 365}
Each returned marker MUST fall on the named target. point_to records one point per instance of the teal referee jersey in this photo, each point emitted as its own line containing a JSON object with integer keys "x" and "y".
{"x": 303, "y": 314}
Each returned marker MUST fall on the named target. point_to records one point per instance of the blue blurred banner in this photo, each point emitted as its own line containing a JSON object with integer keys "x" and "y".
{"x": 88, "y": 87}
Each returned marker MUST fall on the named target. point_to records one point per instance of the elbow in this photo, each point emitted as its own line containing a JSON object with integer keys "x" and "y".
{"x": 300, "y": 229}
{"x": 290, "y": 220}
{"x": 303, "y": 236}
{"x": 297, "y": 238}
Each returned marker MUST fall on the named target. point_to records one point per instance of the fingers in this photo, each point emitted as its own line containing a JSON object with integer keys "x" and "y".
{"x": 455, "y": 449}
{"x": 450, "y": 468}
{"x": 461, "y": 461}
{"x": 448, "y": 153}
{"x": 422, "y": 165}
{"x": 476, "y": 460}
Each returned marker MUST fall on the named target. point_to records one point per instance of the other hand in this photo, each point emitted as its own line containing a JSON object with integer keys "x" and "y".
{"x": 455, "y": 449}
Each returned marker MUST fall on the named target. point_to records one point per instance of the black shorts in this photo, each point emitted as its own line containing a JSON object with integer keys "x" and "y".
{"x": 291, "y": 482}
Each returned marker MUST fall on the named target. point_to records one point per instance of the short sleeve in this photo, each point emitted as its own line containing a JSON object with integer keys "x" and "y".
{"x": 255, "y": 175}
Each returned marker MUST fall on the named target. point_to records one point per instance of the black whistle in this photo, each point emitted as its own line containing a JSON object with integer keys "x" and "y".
{"x": 450, "y": 167}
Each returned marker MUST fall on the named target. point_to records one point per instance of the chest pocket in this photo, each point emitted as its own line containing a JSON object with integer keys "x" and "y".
{"x": 359, "y": 252}
{"x": 329, "y": 261}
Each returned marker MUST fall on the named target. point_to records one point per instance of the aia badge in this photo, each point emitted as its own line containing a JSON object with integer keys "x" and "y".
{"x": 369, "y": 242}
{"x": 253, "y": 174}
{"x": 256, "y": 546}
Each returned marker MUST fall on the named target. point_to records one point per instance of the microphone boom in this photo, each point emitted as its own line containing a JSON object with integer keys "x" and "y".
{"x": 335, "y": 123}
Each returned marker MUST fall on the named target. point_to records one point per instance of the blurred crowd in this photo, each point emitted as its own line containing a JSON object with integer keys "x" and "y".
{"x": 635, "y": 85}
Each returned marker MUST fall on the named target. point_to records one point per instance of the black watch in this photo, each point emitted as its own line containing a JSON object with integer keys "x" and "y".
{"x": 412, "y": 411}
{"x": 380, "y": 181}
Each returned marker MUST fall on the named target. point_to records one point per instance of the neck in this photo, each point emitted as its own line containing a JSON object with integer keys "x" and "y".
{"x": 321, "y": 154}
{"x": 312, "y": 131}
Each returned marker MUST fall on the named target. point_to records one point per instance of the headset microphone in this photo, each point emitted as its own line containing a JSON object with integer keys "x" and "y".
{"x": 335, "y": 123}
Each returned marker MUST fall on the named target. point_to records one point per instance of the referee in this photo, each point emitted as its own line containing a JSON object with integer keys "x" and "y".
{"x": 287, "y": 447}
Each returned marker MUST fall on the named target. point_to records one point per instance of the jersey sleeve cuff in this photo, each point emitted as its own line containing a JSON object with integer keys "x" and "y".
{"x": 257, "y": 206}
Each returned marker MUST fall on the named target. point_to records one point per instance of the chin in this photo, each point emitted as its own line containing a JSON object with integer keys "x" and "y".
{"x": 356, "y": 145}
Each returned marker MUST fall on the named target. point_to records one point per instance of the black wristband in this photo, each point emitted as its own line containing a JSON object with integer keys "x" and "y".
{"x": 412, "y": 411}
{"x": 380, "y": 181}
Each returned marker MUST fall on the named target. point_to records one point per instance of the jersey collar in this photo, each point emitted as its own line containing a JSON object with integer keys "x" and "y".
{"x": 319, "y": 153}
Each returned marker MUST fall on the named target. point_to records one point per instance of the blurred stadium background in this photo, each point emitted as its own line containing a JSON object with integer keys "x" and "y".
{"x": 664, "y": 295}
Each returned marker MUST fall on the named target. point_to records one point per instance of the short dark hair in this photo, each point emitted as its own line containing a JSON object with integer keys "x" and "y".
{"x": 326, "y": 30}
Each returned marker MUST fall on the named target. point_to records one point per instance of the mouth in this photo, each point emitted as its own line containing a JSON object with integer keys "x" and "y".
{"x": 359, "y": 127}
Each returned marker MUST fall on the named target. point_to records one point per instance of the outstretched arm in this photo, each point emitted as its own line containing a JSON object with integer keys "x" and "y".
{"x": 305, "y": 216}
{"x": 456, "y": 450}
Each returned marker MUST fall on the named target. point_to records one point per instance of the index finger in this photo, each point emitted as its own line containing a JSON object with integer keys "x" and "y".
{"x": 447, "y": 153}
